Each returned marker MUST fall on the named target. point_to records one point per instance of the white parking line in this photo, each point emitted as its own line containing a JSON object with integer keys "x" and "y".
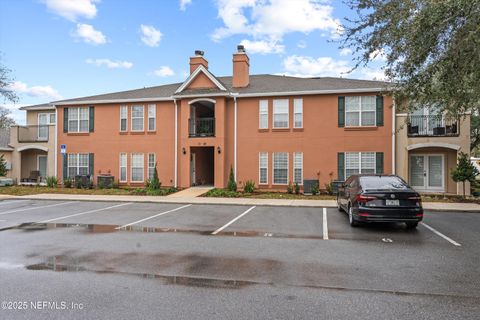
{"x": 232, "y": 221}
{"x": 11, "y": 201}
{"x": 325, "y": 225}
{"x": 438, "y": 233}
{"x": 85, "y": 212}
{"x": 151, "y": 217}
{"x": 33, "y": 208}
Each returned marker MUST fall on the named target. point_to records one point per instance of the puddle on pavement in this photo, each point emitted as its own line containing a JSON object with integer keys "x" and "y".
{"x": 55, "y": 264}
{"x": 106, "y": 228}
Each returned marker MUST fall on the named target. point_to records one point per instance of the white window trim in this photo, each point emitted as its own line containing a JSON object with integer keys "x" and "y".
{"x": 260, "y": 167}
{"x": 143, "y": 117}
{"x": 301, "y": 168}
{"x": 360, "y": 115}
{"x": 273, "y": 170}
{"x": 148, "y": 163}
{"x": 260, "y": 114}
{"x": 154, "y": 108}
{"x": 77, "y": 155}
{"x": 78, "y": 120}
{"x": 126, "y": 126}
{"x": 131, "y": 168}
{"x": 360, "y": 162}
{"x": 48, "y": 114}
{"x": 288, "y": 114}
{"x": 120, "y": 167}
{"x": 294, "y": 113}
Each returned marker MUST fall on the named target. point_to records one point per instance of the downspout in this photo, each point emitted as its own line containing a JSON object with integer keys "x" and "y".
{"x": 56, "y": 142}
{"x": 394, "y": 130}
{"x": 176, "y": 144}
{"x": 235, "y": 135}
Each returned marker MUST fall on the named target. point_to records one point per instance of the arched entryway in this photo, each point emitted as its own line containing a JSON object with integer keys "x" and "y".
{"x": 202, "y": 118}
{"x": 33, "y": 165}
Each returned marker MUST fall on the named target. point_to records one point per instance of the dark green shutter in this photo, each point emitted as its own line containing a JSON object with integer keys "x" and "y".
{"x": 341, "y": 166}
{"x": 341, "y": 111}
{"x": 91, "y": 118}
{"x": 65, "y": 167}
{"x": 65, "y": 120}
{"x": 379, "y": 111}
{"x": 90, "y": 164}
{"x": 379, "y": 163}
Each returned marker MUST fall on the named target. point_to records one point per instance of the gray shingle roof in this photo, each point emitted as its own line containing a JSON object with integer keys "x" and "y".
{"x": 43, "y": 106}
{"x": 260, "y": 84}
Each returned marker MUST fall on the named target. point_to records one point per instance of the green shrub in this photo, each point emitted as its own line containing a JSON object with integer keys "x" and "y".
{"x": 222, "y": 193}
{"x": 3, "y": 166}
{"x": 101, "y": 184}
{"x": 315, "y": 189}
{"x": 249, "y": 186}
{"x": 115, "y": 185}
{"x": 329, "y": 188}
{"x": 289, "y": 188}
{"x": 138, "y": 191}
{"x": 232, "y": 185}
{"x": 297, "y": 188}
{"x": 154, "y": 183}
{"x": 52, "y": 182}
{"x": 68, "y": 183}
{"x": 78, "y": 184}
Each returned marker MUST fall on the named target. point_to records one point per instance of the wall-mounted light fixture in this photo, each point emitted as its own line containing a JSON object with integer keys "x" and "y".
{"x": 219, "y": 150}
{"x": 184, "y": 151}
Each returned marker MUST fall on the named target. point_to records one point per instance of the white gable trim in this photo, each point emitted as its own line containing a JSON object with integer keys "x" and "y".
{"x": 200, "y": 68}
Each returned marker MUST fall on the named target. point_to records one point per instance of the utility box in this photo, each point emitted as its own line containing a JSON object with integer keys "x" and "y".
{"x": 83, "y": 181}
{"x": 105, "y": 181}
{"x": 335, "y": 185}
{"x": 308, "y": 184}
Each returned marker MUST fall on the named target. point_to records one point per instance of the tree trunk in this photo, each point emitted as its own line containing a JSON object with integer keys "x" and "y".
{"x": 463, "y": 189}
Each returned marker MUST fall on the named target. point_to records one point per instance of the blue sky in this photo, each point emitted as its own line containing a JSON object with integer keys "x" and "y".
{"x": 70, "y": 48}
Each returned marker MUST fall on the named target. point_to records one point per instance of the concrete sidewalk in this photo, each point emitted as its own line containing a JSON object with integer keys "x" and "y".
{"x": 437, "y": 206}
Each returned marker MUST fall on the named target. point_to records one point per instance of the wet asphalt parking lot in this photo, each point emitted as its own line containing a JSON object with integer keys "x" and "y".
{"x": 105, "y": 260}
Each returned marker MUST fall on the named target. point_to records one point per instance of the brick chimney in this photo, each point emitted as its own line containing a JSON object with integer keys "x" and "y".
{"x": 241, "y": 66}
{"x": 197, "y": 60}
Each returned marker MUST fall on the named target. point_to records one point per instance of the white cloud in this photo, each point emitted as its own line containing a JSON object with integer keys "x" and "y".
{"x": 44, "y": 92}
{"x": 345, "y": 52}
{"x": 164, "y": 71}
{"x": 378, "y": 55}
{"x": 184, "y": 4}
{"x": 302, "y": 44}
{"x": 303, "y": 66}
{"x": 111, "y": 64}
{"x": 262, "y": 47}
{"x": 150, "y": 36}
{"x": 73, "y": 9}
{"x": 273, "y": 19}
{"x": 370, "y": 74}
{"x": 89, "y": 35}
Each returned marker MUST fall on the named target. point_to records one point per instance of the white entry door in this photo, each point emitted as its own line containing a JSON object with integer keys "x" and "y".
{"x": 193, "y": 169}
{"x": 427, "y": 172}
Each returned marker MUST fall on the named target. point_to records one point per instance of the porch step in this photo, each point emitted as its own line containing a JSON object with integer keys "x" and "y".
{"x": 192, "y": 192}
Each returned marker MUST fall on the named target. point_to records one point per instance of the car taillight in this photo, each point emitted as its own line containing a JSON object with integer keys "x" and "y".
{"x": 364, "y": 199}
{"x": 418, "y": 200}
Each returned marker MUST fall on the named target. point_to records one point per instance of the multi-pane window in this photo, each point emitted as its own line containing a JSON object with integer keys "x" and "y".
{"x": 152, "y": 114}
{"x": 263, "y": 114}
{"x": 137, "y": 167}
{"x": 77, "y": 164}
{"x": 78, "y": 119}
{"x": 151, "y": 165}
{"x": 263, "y": 168}
{"x": 360, "y": 111}
{"x": 137, "y": 118}
{"x": 298, "y": 113}
{"x": 298, "y": 167}
{"x": 123, "y": 167}
{"x": 123, "y": 118}
{"x": 280, "y": 168}
{"x": 280, "y": 113}
{"x": 359, "y": 162}
{"x": 53, "y": 118}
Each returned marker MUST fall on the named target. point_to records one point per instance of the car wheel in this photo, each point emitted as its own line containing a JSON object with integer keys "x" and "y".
{"x": 351, "y": 218}
{"x": 411, "y": 225}
{"x": 339, "y": 207}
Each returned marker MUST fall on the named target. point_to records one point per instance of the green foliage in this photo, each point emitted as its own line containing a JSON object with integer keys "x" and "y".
{"x": 68, "y": 183}
{"x": 296, "y": 187}
{"x": 232, "y": 185}
{"x": 329, "y": 188}
{"x": 249, "y": 186}
{"x": 222, "y": 193}
{"x": 3, "y": 166}
{"x": 475, "y": 133}
{"x": 430, "y": 49}
{"x": 52, "y": 182}
{"x": 154, "y": 183}
{"x": 152, "y": 192}
{"x": 289, "y": 188}
{"x": 465, "y": 171}
{"x": 315, "y": 189}
{"x": 101, "y": 184}
{"x": 78, "y": 184}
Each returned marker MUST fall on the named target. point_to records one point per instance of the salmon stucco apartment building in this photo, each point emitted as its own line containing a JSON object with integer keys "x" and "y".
{"x": 271, "y": 129}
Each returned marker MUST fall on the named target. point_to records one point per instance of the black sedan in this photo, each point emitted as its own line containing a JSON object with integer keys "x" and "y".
{"x": 379, "y": 198}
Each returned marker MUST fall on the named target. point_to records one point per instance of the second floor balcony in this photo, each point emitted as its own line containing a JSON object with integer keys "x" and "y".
{"x": 432, "y": 126}
{"x": 201, "y": 127}
{"x": 33, "y": 133}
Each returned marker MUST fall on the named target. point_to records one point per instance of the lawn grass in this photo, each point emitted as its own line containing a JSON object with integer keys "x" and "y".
{"x": 30, "y": 190}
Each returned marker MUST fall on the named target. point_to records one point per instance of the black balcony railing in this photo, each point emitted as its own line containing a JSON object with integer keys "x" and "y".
{"x": 37, "y": 133}
{"x": 201, "y": 127}
{"x": 432, "y": 126}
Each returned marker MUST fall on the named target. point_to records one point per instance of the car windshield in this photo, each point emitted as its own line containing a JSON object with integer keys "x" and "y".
{"x": 383, "y": 183}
